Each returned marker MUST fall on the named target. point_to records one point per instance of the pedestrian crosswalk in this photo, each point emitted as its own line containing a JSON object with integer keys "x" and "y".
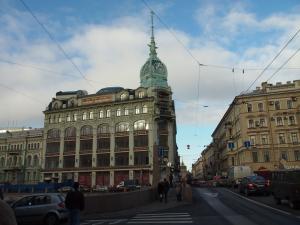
{"x": 104, "y": 221}
{"x": 161, "y": 218}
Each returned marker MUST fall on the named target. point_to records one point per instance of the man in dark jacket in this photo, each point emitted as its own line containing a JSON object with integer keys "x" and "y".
{"x": 166, "y": 189}
{"x": 160, "y": 190}
{"x": 75, "y": 204}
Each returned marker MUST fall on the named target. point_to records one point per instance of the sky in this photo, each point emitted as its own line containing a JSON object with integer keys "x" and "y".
{"x": 107, "y": 44}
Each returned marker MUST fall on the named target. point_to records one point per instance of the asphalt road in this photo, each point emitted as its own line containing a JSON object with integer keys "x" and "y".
{"x": 211, "y": 206}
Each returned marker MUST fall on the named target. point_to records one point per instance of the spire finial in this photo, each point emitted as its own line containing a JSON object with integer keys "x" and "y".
{"x": 152, "y": 42}
{"x": 152, "y": 26}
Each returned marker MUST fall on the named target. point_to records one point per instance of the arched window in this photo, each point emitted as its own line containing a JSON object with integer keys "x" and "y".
{"x": 35, "y": 161}
{"x": 70, "y": 132}
{"x": 122, "y": 127}
{"x": 53, "y": 133}
{"x": 86, "y": 131}
{"x": 145, "y": 109}
{"x": 141, "y": 94}
{"x": 28, "y": 160}
{"x": 103, "y": 129}
{"x": 141, "y": 125}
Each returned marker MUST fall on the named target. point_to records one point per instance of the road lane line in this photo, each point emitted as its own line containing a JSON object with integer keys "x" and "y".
{"x": 117, "y": 221}
{"x": 152, "y": 222}
{"x": 259, "y": 203}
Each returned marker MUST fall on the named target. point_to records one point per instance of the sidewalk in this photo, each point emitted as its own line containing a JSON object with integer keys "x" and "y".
{"x": 151, "y": 207}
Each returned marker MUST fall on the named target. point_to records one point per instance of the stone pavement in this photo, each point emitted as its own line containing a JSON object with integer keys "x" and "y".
{"x": 151, "y": 207}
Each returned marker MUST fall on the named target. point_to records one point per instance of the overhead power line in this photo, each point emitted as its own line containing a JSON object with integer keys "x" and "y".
{"x": 54, "y": 40}
{"x": 276, "y": 56}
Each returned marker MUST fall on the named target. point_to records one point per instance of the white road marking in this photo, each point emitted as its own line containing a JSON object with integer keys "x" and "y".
{"x": 118, "y": 221}
{"x": 214, "y": 195}
{"x": 162, "y": 218}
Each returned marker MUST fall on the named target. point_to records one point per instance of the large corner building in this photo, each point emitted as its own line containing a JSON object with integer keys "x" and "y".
{"x": 114, "y": 134}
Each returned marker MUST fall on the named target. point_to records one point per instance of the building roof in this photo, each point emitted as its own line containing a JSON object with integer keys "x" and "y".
{"x": 109, "y": 90}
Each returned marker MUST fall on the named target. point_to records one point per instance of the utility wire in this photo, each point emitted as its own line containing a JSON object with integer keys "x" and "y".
{"x": 54, "y": 40}
{"x": 276, "y": 56}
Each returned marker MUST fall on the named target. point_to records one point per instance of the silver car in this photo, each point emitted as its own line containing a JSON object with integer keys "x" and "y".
{"x": 48, "y": 209}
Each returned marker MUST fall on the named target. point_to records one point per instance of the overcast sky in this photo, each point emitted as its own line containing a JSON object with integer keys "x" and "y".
{"x": 107, "y": 40}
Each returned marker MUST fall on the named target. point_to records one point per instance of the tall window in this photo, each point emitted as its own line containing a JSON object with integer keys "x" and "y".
{"x": 289, "y": 104}
{"x": 59, "y": 119}
{"x": 145, "y": 109}
{"x": 137, "y": 110}
{"x": 254, "y": 157}
{"x": 252, "y": 140}
{"x": 260, "y": 107}
{"x": 294, "y": 137}
{"x": 283, "y": 155}
{"x": 266, "y": 156}
{"x": 281, "y": 138}
{"x": 84, "y": 116}
{"x": 126, "y": 111}
{"x": 108, "y": 113}
{"x": 91, "y": 115}
{"x": 262, "y": 122}
{"x": 101, "y": 114}
{"x": 118, "y": 112}
{"x": 251, "y": 123}
{"x": 264, "y": 139}
{"x": 277, "y": 105}
{"x": 249, "y": 107}
{"x": 86, "y": 131}
{"x": 141, "y": 125}
{"x": 141, "y": 94}
{"x": 75, "y": 117}
{"x": 297, "y": 155}
{"x": 122, "y": 127}
{"x": 279, "y": 121}
{"x": 292, "y": 120}
{"x": 68, "y": 118}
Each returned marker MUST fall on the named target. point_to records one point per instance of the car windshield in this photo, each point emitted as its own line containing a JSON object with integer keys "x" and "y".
{"x": 257, "y": 179}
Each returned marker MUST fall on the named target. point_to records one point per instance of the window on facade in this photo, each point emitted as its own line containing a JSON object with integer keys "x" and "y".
{"x": 75, "y": 117}
{"x": 59, "y": 119}
{"x": 292, "y": 120}
{"x": 232, "y": 161}
{"x": 51, "y": 162}
{"x": 289, "y": 104}
{"x": 283, "y": 155}
{"x": 163, "y": 140}
{"x": 145, "y": 109}
{"x": 254, "y": 156}
{"x": 141, "y": 94}
{"x": 277, "y": 105}
{"x": 123, "y": 97}
{"x": 108, "y": 113}
{"x": 264, "y": 139}
{"x": 279, "y": 121}
{"x": 2, "y": 162}
{"x": 162, "y": 125}
{"x": 84, "y": 116}
{"x": 50, "y": 119}
{"x": 53, "y": 133}
{"x": 101, "y": 114}
{"x": 122, "y": 127}
{"x": 85, "y": 160}
{"x": 35, "y": 161}
{"x": 141, "y": 158}
{"x": 126, "y": 111}
{"x": 86, "y": 131}
{"x": 141, "y": 140}
{"x": 68, "y": 118}
{"x": 118, "y": 112}
{"x": 137, "y": 110}
{"x": 91, "y": 115}
{"x": 70, "y": 132}
{"x": 297, "y": 155}
{"x": 252, "y": 140}
{"x": 69, "y": 161}
{"x": 262, "y": 122}
{"x": 103, "y": 129}
{"x": 121, "y": 159}
{"x": 266, "y": 156}
{"x": 260, "y": 107}
{"x": 103, "y": 144}
{"x": 122, "y": 142}
{"x": 103, "y": 160}
{"x": 141, "y": 125}
{"x": 281, "y": 138}
{"x": 28, "y": 163}
{"x": 251, "y": 123}
{"x": 294, "y": 137}
{"x": 249, "y": 107}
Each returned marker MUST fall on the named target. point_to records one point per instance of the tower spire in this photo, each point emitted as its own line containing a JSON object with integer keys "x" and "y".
{"x": 152, "y": 42}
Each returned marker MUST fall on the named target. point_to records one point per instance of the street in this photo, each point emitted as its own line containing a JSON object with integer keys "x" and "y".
{"x": 211, "y": 206}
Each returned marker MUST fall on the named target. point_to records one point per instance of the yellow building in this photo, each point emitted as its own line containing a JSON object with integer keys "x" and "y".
{"x": 197, "y": 169}
{"x": 261, "y": 129}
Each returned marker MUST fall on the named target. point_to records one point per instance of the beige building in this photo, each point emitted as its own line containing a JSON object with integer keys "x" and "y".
{"x": 20, "y": 156}
{"x": 114, "y": 134}
{"x": 197, "y": 169}
{"x": 261, "y": 129}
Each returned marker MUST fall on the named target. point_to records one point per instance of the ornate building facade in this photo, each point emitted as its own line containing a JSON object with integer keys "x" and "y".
{"x": 114, "y": 134}
{"x": 260, "y": 129}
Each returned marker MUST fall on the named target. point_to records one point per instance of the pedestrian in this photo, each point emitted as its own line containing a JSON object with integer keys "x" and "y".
{"x": 160, "y": 190}
{"x": 171, "y": 180}
{"x": 7, "y": 215}
{"x": 166, "y": 189}
{"x": 178, "y": 191}
{"x": 75, "y": 204}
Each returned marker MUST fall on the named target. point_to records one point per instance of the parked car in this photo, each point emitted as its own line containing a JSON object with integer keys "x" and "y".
{"x": 65, "y": 189}
{"x": 128, "y": 185}
{"x": 236, "y": 173}
{"x": 254, "y": 184}
{"x": 48, "y": 209}
{"x": 285, "y": 184}
{"x": 99, "y": 188}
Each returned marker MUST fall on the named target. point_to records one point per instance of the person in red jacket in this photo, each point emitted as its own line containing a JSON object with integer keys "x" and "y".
{"x": 75, "y": 203}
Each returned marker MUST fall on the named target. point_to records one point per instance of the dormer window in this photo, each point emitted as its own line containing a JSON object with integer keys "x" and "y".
{"x": 55, "y": 106}
{"x": 141, "y": 94}
{"x": 123, "y": 97}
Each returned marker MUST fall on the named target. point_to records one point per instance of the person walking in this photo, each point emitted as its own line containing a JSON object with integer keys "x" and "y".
{"x": 166, "y": 189}
{"x": 75, "y": 203}
{"x": 160, "y": 190}
{"x": 178, "y": 191}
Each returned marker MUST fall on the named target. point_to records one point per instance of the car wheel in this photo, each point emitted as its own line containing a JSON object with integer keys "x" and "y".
{"x": 51, "y": 219}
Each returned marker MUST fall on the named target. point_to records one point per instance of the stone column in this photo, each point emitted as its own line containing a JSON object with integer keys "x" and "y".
{"x": 93, "y": 178}
{"x": 77, "y": 148}
{"x": 61, "y": 149}
{"x": 131, "y": 145}
{"x": 171, "y": 142}
{"x": 112, "y": 145}
{"x": 111, "y": 178}
{"x": 94, "y": 153}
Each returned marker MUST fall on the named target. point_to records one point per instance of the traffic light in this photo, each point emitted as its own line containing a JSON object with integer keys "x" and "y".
{"x": 188, "y": 146}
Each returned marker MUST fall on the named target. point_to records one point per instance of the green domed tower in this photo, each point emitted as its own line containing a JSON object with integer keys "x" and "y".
{"x": 153, "y": 73}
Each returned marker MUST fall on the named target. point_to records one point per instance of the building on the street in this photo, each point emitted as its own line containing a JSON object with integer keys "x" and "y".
{"x": 115, "y": 134}
{"x": 261, "y": 129}
{"x": 20, "y": 156}
{"x": 197, "y": 169}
